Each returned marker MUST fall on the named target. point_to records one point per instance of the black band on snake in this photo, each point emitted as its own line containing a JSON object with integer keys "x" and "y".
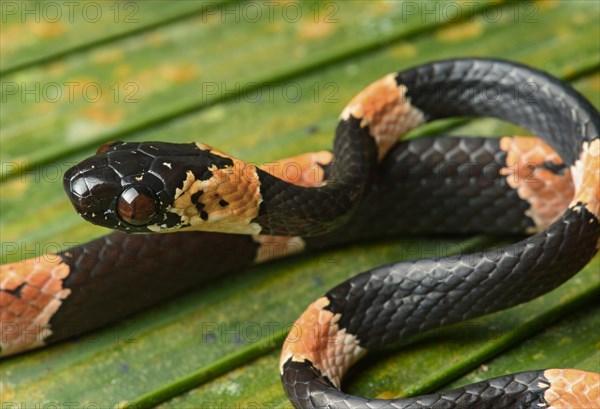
{"x": 162, "y": 187}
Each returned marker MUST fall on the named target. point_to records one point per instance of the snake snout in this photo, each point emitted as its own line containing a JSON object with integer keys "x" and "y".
{"x": 93, "y": 189}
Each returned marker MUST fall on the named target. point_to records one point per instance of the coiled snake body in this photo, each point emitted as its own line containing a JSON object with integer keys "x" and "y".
{"x": 162, "y": 187}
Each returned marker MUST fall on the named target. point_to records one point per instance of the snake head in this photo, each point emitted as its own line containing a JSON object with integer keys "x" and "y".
{"x": 156, "y": 186}
{"x": 115, "y": 188}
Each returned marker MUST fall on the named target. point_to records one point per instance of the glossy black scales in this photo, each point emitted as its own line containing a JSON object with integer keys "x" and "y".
{"x": 158, "y": 169}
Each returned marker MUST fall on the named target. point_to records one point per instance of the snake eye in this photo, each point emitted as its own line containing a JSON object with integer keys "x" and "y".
{"x": 137, "y": 205}
{"x": 106, "y": 146}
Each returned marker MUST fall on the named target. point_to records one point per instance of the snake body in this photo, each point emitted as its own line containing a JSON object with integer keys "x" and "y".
{"x": 161, "y": 187}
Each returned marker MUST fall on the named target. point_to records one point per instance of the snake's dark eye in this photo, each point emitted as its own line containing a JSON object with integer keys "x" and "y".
{"x": 137, "y": 205}
{"x": 105, "y": 147}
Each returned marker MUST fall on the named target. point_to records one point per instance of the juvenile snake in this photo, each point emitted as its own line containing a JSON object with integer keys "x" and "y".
{"x": 252, "y": 214}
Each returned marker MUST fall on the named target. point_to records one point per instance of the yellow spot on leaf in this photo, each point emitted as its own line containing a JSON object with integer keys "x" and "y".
{"x": 276, "y": 27}
{"x": 459, "y": 32}
{"x": 565, "y": 341}
{"x": 594, "y": 81}
{"x": 563, "y": 33}
{"x": 547, "y": 4}
{"x": 8, "y": 392}
{"x": 107, "y": 55}
{"x": 56, "y": 68}
{"x": 100, "y": 114}
{"x": 14, "y": 188}
{"x": 387, "y": 395}
{"x": 178, "y": 73}
{"x": 155, "y": 39}
{"x": 44, "y": 107}
{"x": 383, "y": 7}
{"x": 568, "y": 70}
{"x": 299, "y": 52}
{"x": 215, "y": 114}
{"x": 580, "y": 18}
{"x": 123, "y": 404}
{"x": 45, "y": 29}
{"x": 123, "y": 70}
{"x": 404, "y": 50}
{"x": 13, "y": 37}
{"x": 311, "y": 29}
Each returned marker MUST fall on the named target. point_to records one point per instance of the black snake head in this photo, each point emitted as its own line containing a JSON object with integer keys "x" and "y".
{"x": 132, "y": 186}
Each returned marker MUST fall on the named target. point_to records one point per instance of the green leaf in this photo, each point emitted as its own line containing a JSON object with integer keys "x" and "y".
{"x": 221, "y": 341}
{"x": 38, "y": 32}
{"x": 441, "y": 355}
{"x": 112, "y": 90}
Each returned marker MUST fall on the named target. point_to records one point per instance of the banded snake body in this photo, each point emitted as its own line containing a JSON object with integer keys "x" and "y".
{"x": 224, "y": 202}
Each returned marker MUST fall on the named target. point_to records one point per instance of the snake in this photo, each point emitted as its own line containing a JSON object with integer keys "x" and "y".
{"x": 230, "y": 214}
